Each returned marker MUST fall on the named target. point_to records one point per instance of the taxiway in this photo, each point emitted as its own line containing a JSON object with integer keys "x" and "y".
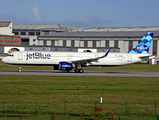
{"x": 86, "y": 73}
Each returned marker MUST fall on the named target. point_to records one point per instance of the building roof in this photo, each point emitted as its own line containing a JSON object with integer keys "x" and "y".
{"x": 4, "y": 24}
{"x": 41, "y": 27}
{"x": 99, "y": 34}
{"x": 155, "y": 28}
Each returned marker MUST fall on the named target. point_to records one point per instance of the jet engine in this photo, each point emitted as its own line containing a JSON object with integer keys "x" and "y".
{"x": 63, "y": 66}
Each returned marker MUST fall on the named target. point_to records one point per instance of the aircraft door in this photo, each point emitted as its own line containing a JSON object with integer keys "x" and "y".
{"x": 129, "y": 58}
{"x": 20, "y": 56}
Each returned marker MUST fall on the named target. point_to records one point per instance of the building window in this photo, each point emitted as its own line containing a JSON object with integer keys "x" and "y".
{"x": 18, "y": 38}
{"x": 51, "y": 32}
{"x": 23, "y": 33}
{"x": 31, "y": 33}
{"x": 90, "y": 44}
{"x": 98, "y": 44}
{"x": 1, "y": 37}
{"x": 46, "y": 32}
{"x": 5, "y": 37}
{"x": 16, "y": 33}
{"x": 37, "y": 33}
{"x": 68, "y": 43}
{"x": 81, "y": 43}
{"x": 102, "y": 43}
{"x": 76, "y": 43}
{"x": 60, "y": 42}
{"x": 56, "y": 43}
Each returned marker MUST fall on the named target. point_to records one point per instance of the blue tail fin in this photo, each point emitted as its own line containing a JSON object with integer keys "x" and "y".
{"x": 143, "y": 45}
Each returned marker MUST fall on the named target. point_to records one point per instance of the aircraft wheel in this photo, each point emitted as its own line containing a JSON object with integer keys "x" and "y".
{"x": 76, "y": 70}
{"x": 81, "y": 71}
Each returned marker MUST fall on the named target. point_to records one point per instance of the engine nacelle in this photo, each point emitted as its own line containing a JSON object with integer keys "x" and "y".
{"x": 65, "y": 66}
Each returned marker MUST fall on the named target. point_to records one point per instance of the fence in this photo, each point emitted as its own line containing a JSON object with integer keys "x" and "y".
{"x": 77, "y": 108}
{"x": 79, "y": 118}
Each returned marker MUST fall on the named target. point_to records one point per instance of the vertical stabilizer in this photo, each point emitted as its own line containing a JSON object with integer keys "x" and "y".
{"x": 144, "y": 44}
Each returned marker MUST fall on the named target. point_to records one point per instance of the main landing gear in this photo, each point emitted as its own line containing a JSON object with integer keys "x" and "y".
{"x": 20, "y": 68}
{"x": 78, "y": 70}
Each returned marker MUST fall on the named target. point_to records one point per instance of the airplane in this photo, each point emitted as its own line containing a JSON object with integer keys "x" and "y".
{"x": 69, "y": 60}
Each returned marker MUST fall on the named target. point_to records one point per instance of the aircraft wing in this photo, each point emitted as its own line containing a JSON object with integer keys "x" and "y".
{"x": 89, "y": 60}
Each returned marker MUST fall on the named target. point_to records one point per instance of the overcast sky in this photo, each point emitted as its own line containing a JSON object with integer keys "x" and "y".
{"x": 82, "y": 13}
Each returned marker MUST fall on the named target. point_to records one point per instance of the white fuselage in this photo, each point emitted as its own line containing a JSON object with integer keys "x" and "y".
{"x": 53, "y": 58}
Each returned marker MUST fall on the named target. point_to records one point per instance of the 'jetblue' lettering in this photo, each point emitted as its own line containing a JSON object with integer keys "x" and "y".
{"x": 37, "y": 55}
{"x": 66, "y": 65}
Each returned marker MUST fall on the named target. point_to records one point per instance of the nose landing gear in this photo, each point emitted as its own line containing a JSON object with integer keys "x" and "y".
{"x": 20, "y": 68}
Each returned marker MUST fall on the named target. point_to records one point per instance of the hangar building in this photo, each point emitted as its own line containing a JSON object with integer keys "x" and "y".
{"x": 65, "y": 38}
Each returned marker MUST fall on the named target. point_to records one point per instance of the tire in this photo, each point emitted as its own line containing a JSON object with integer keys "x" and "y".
{"x": 76, "y": 70}
{"x": 81, "y": 71}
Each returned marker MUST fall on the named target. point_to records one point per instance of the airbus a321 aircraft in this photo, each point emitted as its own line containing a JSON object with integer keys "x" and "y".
{"x": 69, "y": 60}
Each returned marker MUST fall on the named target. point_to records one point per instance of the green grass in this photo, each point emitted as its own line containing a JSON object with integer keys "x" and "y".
{"x": 43, "y": 95}
{"x": 79, "y": 94}
{"x": 131, "y": 67}
{"x": 81, "y": 87}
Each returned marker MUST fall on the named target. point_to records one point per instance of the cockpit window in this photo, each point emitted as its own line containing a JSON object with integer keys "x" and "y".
{"x": 11, "y": 55}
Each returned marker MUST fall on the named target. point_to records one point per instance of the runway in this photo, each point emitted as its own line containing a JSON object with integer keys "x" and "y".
{"x": 86, "y": 73}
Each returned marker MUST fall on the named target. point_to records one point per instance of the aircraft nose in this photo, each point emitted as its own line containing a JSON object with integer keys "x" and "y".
{"x": 4, "y": 59}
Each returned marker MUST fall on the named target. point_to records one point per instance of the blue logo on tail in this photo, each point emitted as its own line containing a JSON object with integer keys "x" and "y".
{"x": 143, "y": 45}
